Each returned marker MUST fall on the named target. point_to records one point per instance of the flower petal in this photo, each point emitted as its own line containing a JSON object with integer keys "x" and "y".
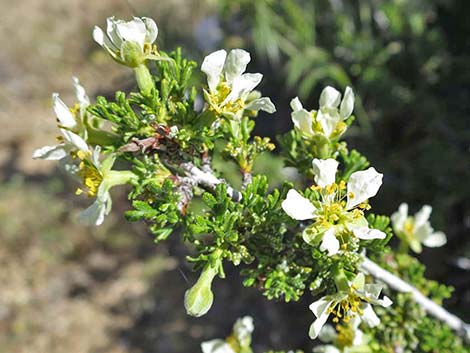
{"x": 216, "y": 346}
{"x": 422, "y": 216}
{"x": 329, "y": 242}
{"x": 263, "y": 103}
{"x": 243, "y": 85}
{"x": 94, "y": 215}
{"x": 435, "y": 240}
{"x": 80, "y": 93}
{"x": 111, "y": 30}
{"x": 324, "y": 171}
{"x": 212, "y": 66}
{"x": 366, "y": 233}
{"x": 98, "y": 35}
{"x": 235, "y": 64}
{"x": 297, "y": 206}
{"x": 329, "y": 97}
{"x": 327, "y": 334}
{"x": 347, "y": 104}
{"x": 362, "y": 186}
{"x": 51, "y": 153}
{"x": 328, "y": 119}
{"x": 132, "y": 31}
{"x": 399, "y": 217}
{"x": 75, "y": 140}
{"x": 295, "y": 104}
{"x": 369, "y": 317}
{"x": 151, "y": 28}
{"x": 320, "y": 310}
{"x": 63, "y": 114}
{"x": 302, "y": 120}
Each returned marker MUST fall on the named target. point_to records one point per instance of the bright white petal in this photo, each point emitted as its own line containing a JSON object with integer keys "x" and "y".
{"x": 369, "y": 317}
{"x": 362, "y": 186}
{"x": 422, "y": 232}
{"x": 324, "y": 171}
{"x": 80, "y": 93}
{"x": 329, "y": 97}
{"x": 63, "y": 114}
{"x": 328, "y": 119}
{"x": 366, "y": 234}
{"x": 216, "y": 346}
{"x": 329, "y": 242}
{"x": 132, "y": 31}
{"x": 242, "y": 85}
{"x": 113, "y": 37}
{"x": 236, "y": 63}
{"x": 243, "y": 329}
{"x": 152, "y": 29}
{"x": 385, "y": 302}
{"x": 347, "y": 104}
{"x": 302, "y": 120}
{"x": 327, "y": 334}
{"x": 320, "y": 310}
{"x": 263, "y": 103}
{"x": 435, "y": 240}
{"x": 295, "y": 104}
{"x": 399, "y": 217}
{"x": 422, "y": 216}
{"x": 75, "y": 140}
{"x": 94, "y": 215}
{"x": 297, "y": 206}
{"x": 98, "y": 35}
{"x": 212, "y": 66}
{"x": 52, "y": 153}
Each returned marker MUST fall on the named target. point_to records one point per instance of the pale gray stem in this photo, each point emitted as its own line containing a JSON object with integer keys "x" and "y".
{"x": 210, "y": 180}
{"x": 427, "y": 304}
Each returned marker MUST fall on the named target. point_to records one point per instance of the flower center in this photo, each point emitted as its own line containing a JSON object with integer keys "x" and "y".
{"x": 91, "y": 176}
{"x": 223, "y": 90}
{"x": 347, "y": 308}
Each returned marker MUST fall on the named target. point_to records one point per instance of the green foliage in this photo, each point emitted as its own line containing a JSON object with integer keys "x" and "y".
{"x": 168, "y": 147}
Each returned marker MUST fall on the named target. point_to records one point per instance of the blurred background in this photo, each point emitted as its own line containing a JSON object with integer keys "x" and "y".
{"x": 66, "y": 288}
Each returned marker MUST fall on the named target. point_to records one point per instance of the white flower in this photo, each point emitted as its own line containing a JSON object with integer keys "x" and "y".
{"x": 242, "y": 331}
{"x": 129, "y": 43}
{"x": 349, "y": 304}
{"x": 229, "y": 87}
{"x": 216, "y": 346}
{"x": 70, "y": 125}
{"x": 328, "y": 120}
{"x": 416, "y": 230}
{"x": 98, "y": 179}
{"x": 331, "y": 214}
{"x": 348, "y": 339}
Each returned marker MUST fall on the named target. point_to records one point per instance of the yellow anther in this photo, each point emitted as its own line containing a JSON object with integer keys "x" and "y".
{"x": 342, "y": 185}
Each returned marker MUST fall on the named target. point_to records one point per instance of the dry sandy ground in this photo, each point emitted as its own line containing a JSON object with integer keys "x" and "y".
{"x": 66, "y": 288}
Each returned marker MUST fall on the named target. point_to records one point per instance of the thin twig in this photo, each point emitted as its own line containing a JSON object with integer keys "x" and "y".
{"x": 211, "y": 181}
{"x": 427, "y": 304}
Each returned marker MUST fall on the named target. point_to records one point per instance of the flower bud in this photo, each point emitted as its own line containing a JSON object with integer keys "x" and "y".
{"x": 198, "y": 299}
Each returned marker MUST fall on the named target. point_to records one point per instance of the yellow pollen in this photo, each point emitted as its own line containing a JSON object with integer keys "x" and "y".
{"x": 91, "y": 177}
